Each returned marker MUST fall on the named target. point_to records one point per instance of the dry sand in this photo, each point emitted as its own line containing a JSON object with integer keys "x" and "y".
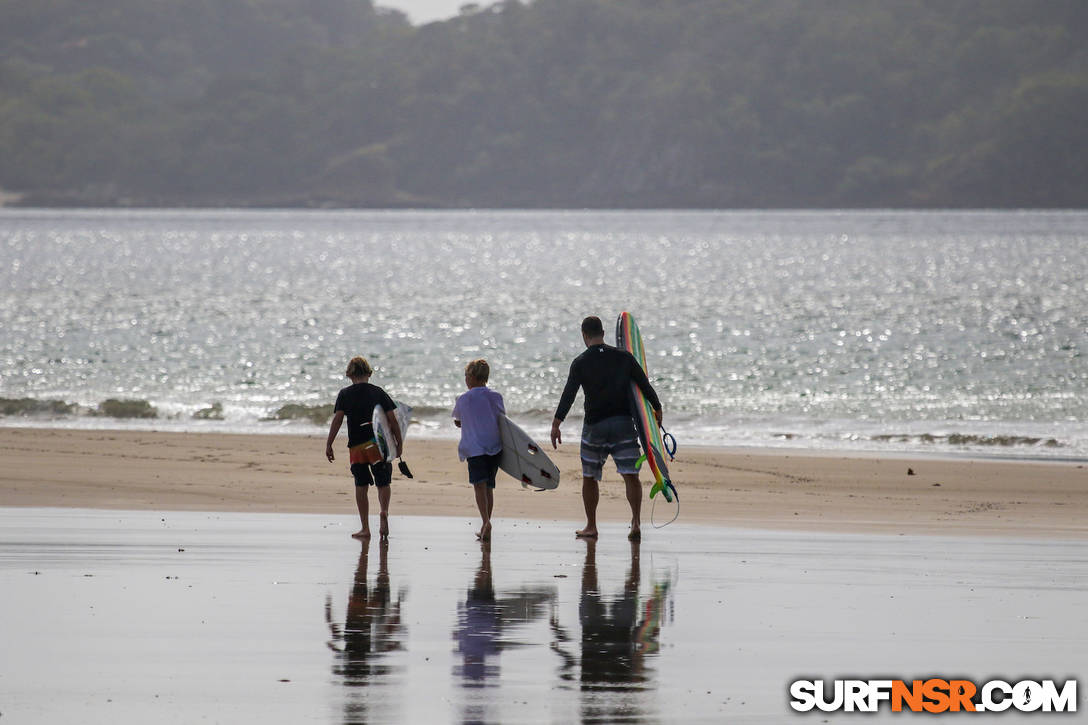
{"x": 753, "y": 489}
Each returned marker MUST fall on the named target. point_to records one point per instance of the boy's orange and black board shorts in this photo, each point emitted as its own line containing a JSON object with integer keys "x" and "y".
{"x": 367, "y": 465}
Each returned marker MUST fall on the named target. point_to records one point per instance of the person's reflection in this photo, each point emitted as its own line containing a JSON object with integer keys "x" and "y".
{"x": 483, "y": 625}
{"x": 484, "y": 619}
{"x": 478, "y": 625}
{"x": 617, "y": 634}
{"x": 372, "y": 629}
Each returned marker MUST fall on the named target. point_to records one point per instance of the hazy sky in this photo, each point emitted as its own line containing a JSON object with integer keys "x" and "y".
{"x": 424, "y": 11}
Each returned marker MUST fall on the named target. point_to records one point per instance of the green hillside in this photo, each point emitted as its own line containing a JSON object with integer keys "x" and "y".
{"x": 558, "y": 103}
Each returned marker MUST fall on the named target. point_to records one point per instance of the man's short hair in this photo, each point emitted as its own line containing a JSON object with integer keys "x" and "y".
{"x": 479, "y": 370}
{"x": 592, "y": 327}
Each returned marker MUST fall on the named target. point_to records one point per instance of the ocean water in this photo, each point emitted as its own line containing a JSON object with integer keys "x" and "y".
{"x": 938, "y": 332}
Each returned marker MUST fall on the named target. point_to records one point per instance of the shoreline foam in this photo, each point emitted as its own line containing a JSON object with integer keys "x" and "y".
{"x": 1026, "y": 442}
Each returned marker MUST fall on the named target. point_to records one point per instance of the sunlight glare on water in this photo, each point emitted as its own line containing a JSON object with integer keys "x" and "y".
{"x": 868, "y": 329}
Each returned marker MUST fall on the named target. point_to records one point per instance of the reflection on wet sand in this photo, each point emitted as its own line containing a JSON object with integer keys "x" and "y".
{"x": 756, "y": 610}
{"x": 617, "y": 635}
{"x": 484, "y": 624}
{"x": 372, "y": 629}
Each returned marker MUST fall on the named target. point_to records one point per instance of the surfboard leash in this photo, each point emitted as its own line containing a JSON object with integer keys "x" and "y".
{"x": 653, "y": 508}
{"x": 666, "y": 437}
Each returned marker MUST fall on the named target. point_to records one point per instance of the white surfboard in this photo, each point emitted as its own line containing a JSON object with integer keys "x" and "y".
{"x": 384, "y": 435}
{"x": 523, "y": 459}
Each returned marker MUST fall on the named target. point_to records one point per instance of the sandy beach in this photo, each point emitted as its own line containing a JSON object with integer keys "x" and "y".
{"x": 232, "y": 554}
{"x": 786, "y": 490}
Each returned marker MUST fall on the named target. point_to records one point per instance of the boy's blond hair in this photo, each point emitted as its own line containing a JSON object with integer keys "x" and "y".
{"x": 479, "y": 370}
{"x": 358, "y": 368}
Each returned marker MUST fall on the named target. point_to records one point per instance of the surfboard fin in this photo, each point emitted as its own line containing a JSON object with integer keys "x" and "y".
{"x": 403, "y": 468}
{"x": 665, "y": 488}
{"x": 638, "y": 467}
{"x": 527, "y": 482}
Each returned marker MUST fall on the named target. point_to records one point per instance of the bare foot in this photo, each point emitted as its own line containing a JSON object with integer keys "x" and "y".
{"x": 384, "y": 528}
{"x": 586, "y": 533}
{"x": 361, "y": 534}
{"x": 484, "y": 534}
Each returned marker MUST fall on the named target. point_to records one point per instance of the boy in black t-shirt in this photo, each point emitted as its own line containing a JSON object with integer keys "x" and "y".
{"x": 357, "y": 402}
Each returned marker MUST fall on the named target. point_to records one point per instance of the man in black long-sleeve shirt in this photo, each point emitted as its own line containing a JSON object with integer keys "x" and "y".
{"x": 605, "y": 374}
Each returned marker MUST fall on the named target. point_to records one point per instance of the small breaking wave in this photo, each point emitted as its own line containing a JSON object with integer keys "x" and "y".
{"x": 109, "y": 408}
{"x": 119, "y": 408}
{"x": 34, "y": 407}
{"x": 427, "y": 411}
{"x": 316, "y": 414}
{"x": 116, "y": 408}
{"x": 429, "y": 420}
{"x": 969, "y": 439}
{"x": 213, "y": 412}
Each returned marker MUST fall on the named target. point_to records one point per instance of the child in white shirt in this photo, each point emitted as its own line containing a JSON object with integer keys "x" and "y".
{"x": 476, "y": 413}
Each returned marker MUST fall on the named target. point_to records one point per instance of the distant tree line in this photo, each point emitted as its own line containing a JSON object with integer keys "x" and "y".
{"x": 555, "y": 103}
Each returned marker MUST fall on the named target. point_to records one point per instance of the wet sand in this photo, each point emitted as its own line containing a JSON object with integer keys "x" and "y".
{"x": 766, "y": 489}
{"x": 181, "y": 617}
{"x": 188, "y": 577}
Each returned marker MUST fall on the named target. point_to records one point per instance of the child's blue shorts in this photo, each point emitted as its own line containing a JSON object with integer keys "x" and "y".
{"x": 482, "y": 469}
